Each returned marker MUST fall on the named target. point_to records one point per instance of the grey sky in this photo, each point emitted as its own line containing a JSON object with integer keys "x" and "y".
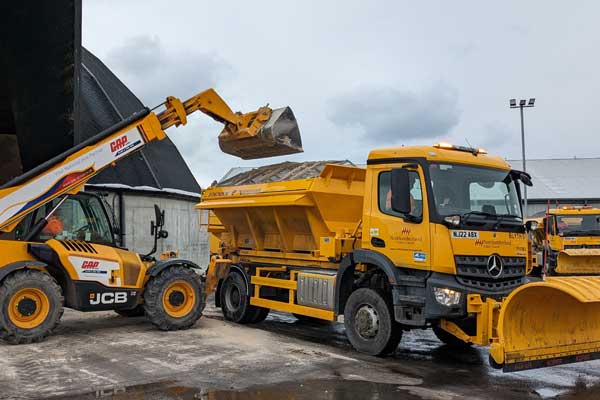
{"x": 361, "y": 75}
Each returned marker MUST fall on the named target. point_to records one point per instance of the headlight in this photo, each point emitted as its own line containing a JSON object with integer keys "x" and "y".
{"x": 446, "y": 297}
{"x": 453, "y": 220}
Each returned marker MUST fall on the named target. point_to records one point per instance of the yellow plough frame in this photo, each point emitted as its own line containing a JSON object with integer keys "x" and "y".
{"x": 540, "y": 324}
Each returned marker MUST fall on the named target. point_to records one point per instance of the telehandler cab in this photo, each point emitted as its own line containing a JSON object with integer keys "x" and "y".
{"x": 57, "y": 245}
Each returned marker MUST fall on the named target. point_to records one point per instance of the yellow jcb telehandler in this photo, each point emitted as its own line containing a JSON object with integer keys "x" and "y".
{"x": 57, "y": 246}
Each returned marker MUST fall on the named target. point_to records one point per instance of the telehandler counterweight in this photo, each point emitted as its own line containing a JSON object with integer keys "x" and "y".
{"x": 58, "y": 247}
{"x": 423, "y": 237}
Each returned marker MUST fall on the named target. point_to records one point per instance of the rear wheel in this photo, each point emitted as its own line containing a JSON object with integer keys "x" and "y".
{"x": 235, "y": 302}
{"x": 134, "y": 312}
{"x": 174, "y": 299}
{"x": 370, "y": 324}
{"x": 31, "y": 304}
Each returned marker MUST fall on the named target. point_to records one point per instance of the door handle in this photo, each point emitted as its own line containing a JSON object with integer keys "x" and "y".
{"x": 376, "y": 242}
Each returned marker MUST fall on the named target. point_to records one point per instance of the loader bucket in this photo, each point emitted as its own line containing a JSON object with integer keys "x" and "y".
{"x": 548, "y": 323}
{"x": 578, "y": 262}
{"x": 278, "y": 136}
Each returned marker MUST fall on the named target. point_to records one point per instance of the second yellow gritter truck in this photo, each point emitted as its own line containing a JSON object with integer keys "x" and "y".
{"x": 423, "y": 237}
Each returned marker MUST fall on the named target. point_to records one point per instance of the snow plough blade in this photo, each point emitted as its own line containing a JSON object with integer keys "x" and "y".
{"x": 279, "y": 135}
{"x": 578, "y": 262}
{"x": 547, "y": 323}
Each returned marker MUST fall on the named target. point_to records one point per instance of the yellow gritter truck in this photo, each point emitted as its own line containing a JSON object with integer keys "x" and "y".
{"x": 568, "y": 239}
{"x": 423, "y": 237}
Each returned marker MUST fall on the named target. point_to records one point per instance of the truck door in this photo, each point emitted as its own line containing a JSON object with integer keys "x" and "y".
{"x": 402, "y": 238}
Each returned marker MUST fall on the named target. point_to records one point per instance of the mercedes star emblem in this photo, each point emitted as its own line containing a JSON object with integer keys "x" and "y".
{"x": 494, "y": 266}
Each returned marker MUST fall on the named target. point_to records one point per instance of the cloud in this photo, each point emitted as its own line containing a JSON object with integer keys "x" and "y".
{"x": 153, "y": 71}
{"x": 391, "y": 115}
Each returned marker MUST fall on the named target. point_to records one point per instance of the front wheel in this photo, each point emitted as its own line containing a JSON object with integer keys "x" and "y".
{"x": 31, "y": 304}
{"x": 370, "y": 324}
{"x": 174, "y": 299}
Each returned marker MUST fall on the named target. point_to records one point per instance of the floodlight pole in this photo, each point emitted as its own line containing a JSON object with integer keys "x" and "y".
{"x": 524, "y": 167}
{"x": 522, "y": 104}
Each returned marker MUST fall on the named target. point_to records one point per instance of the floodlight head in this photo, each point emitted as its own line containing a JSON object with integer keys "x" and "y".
{"x": 531, "y": 102}
{"x": 522, "y": 102}
{"x": 513, "y": 102}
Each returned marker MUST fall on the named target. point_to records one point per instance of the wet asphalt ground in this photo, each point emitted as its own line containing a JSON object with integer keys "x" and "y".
{"x": 102, "y": 355}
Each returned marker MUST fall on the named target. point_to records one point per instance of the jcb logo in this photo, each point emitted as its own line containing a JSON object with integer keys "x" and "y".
{"x": 118, "y": 144}
{"x": 90, "y": 264}
{"x": 108, "y": 298}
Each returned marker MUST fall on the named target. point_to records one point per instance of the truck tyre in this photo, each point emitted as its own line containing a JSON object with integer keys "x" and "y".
{"x": 259, "y": 315}
{"x": 138, "y": 311}
{"x": 449, "y": 339}
{"x": 174, "y": 299}
{"x": 370, "y": 324}
{"x": 235, "y": 302}
{"x": 31, "y": 306}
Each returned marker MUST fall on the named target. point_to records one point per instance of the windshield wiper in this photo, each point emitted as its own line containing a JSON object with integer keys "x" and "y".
{"x": 502, "y": 217}
{"x": 469, "y": 214}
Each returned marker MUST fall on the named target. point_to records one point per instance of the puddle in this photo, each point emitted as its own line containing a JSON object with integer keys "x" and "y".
{"x": 309, "y": 390}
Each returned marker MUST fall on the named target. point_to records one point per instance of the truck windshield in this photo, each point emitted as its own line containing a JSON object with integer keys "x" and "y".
{"x": 468, "y": 190}
{"x": 578, "y": 225}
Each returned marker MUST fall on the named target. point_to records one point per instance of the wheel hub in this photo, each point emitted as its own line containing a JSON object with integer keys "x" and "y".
{"x": 367, "y": 322}
{"x": 27, "y": 307}
{"x": 233, "y": 299}
{"x": 176, "y": 298}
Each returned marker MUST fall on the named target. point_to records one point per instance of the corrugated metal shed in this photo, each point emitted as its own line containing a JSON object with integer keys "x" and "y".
{"x": 284, "y": 171}
{"x": 562, "y": 179}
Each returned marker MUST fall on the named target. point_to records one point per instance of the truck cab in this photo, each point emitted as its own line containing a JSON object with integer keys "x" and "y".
{"x": 568, "y": 241}
{"x": 461, "y": 230}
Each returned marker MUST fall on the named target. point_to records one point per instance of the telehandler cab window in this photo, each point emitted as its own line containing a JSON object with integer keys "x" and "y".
{"x": 385, "y": 195}
{"x": 80, "y": 217}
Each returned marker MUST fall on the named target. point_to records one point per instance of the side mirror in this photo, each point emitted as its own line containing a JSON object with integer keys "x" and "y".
{"x": 159, "y": 216}
{"x": 400, "y": 185}
{"x": 531, "y": 226}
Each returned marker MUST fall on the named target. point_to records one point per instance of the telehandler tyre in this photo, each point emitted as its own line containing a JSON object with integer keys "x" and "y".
{"x": 235, "y": 302}
{"x": 174, "y": 299}
{"x": 370, "y": 324}
{"x": 134, "y": 312}
{"x": 31, "y": 306}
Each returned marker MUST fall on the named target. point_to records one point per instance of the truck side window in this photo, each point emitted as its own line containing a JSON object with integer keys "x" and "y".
{"x": 385, "y": 195}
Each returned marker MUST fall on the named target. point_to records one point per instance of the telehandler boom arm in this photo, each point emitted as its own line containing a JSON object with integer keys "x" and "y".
{"x": 69, "y": 171}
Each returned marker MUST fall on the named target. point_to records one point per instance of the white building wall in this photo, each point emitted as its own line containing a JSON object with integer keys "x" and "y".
{"x": 182, "y": 221}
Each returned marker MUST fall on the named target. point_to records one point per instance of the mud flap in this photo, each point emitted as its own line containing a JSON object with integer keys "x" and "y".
{"x": 278, "y": 136}
{"x": 548, "y": 323}
{"x": 578, "y": 261}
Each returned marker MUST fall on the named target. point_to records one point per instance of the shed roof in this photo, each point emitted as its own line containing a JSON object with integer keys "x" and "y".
{"x": 566, "y": 179}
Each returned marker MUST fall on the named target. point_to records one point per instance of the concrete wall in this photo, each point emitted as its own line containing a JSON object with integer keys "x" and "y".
{"x": 182, "y": 221}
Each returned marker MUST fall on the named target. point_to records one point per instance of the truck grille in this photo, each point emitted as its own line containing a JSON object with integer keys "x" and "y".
{"x": 472, "y": 271}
